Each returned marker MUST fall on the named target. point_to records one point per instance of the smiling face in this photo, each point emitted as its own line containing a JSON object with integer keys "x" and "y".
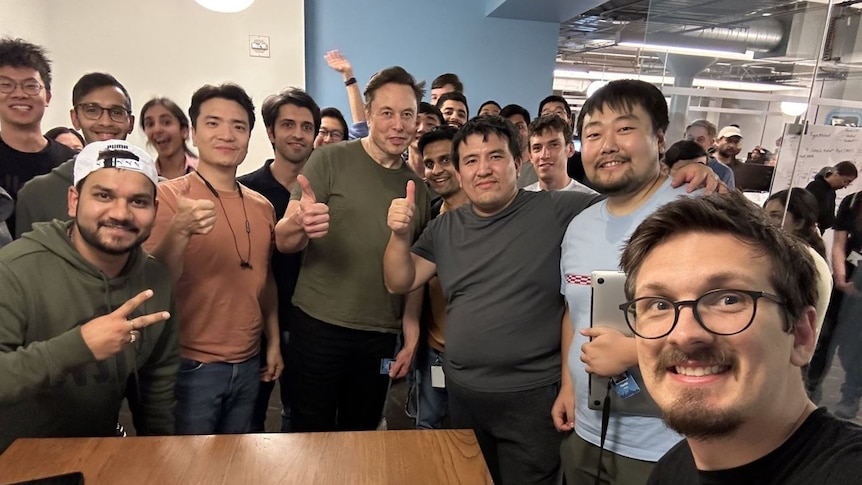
{"x": 19, "y": 108}
{"x": 439, "y": 171}
{"x": 620, "y": 150}
{"x": 708, "y": 385}
{"x": 454, "y": 113}
{"x": 115, "y": 210}
{"x": 550, "y": 153}
{"x": 392, "y": 118}
{"x": 488, "y": 173}
{"x": 293, "y": 133}
{"x": 103, "y": 128}
{"x": 222, "y": 133}
{"x": 164, "y": 132}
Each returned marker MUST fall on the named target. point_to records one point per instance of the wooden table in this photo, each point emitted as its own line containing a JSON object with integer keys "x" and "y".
{"x": 370, "y": 457}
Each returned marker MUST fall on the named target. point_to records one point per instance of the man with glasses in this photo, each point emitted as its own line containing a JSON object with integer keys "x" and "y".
{"x": 102, "y": 110}
{"x": 622, "y": 129}
{"x": 25, "y": 91}
{"x": 333, "y": 128}
{"x": 723, "y": 312}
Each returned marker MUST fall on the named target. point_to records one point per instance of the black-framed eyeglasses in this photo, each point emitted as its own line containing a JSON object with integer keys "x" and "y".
{"x": 31, "y": 87}
{"x": 721, "y": 312}
{"x": 332, "y": 134}
{"x": 93, "y": 111}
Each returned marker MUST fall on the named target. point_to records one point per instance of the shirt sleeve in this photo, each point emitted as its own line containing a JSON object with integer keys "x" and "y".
{"x": 424, "y": 246}
{"x": 844, "y": 220}
{"x": 358, "y": 130}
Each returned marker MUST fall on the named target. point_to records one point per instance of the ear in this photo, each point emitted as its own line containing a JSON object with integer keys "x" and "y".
{"x": 47, "y": 97}
{"x": 74, "y": 115}
{"x": 517, "y": 164}
{"x": 804, "y": 337}
{"x": 131, "y": 125}
{"x": 194, "y": 137}
{"x": 72, "y": 202}
{"x": 185, "y": 133}
{"x": 570, "y": 150}
{"x": 661, "y": 141}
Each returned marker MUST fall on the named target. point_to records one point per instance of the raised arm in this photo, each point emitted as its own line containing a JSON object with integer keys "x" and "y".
{"x": 404, "y": 271}
{"x": 340, "y": 64}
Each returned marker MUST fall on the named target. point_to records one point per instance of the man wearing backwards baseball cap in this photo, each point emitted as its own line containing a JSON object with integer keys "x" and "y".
{"x": 83, "y": 307}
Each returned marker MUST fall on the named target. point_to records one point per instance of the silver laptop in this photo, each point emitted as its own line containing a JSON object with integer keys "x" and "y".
{"x": 608, "y": 293}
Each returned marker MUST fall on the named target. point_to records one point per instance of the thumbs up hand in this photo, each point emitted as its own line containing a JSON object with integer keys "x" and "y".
{"x": 401, "y": 211}
{"x": 313, "y": 216}
{"x": 193, "y": 216}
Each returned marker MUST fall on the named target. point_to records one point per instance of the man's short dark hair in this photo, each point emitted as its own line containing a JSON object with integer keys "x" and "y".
{"x": 487, "y": 125}
{"x": 513, "y": 109}
{"x": 293, "y": 96}
{"x": 793, "y": 274}
{"x": 551, "y": 123}
{"x": 683, "y": 150}
{"x": 442, "y": 132}
{"x": 229, "y": 91}
{"x": 454, "y": 96}
{"x": 331, "y": 112}
{"x": 96, "y": 80}
{"x": 846, "y": 169}
{"x": 393, "y": 75}
{"x": 55, "y": 132}
{"x": 622, "y": 96}
{"x": 486, "y": 103}
{"x": 430, "y": 109}
{"x": 448, "y": 78}
{"x": 23, "y": 54}
{"x": 556, "y": 99}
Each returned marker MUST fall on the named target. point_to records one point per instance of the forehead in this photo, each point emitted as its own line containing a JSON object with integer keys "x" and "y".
{"x": 330, "y": 123}
{"x": 158, "y": 111}
{"x": 397, "y": 96}
{"x": 453, "y": 103}
{"x": 223, "y": 108}
{"x": 478, "y": 142}
{"x": 437, "y": 148}
{"x": 608, "y": 114}
{"x": 109, "y": 95}
{"x": 123, "y": 181}
{"x": 547, "y": 134}
{"x": 515, "y": 119}
{"x": 696, "y": 131}
{"x": 429, "y": 117}
{"x": 294, "y": 112}
{"x": 20, "y": 73}
{"x": 553, "y": 106}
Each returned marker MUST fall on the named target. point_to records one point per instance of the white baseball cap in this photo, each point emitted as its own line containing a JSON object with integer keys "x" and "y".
{"x": 114, "y": 154}
{"x": 729, "y": 131}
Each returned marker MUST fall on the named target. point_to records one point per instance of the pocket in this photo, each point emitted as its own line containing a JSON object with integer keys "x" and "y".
{"x": 188, "y": 365}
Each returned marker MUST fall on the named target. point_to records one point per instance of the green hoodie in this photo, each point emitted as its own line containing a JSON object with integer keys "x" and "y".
{"x": 50, "y": 383}
{"x": 44, "y": 198}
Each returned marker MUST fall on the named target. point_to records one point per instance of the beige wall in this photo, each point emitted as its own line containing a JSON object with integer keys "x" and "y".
{"x": 163, "y": 48}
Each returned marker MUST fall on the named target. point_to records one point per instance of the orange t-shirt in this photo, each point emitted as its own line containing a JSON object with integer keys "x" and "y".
{"x": 218, "y": 300}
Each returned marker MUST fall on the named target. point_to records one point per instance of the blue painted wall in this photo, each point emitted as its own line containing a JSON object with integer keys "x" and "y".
{"x": 510, "y": 61}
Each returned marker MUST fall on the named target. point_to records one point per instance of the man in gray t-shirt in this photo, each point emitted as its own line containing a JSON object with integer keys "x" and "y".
{"x": 497, "y": 261}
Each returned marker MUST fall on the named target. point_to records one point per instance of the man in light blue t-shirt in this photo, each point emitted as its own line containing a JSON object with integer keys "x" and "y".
{"x": 622, "y": 129}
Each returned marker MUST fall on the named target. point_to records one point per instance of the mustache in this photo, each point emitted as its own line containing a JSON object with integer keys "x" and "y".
{"x": 121, "y": 224}
{"x": 703, "y": 355}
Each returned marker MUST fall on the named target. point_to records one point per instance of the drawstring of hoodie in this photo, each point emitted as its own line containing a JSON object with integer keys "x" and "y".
{"x": 133, "y": 345}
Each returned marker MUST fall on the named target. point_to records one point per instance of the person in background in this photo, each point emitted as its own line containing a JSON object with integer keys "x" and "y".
{"x": 490, "y": 107}
{"x": 66, "y": 136}
{"x": 823, "y": 189}
{"x": 333, "y": 127}
{"x": 801, "y": 215}
{"x": 684, "y": 151}
{"x": 6, "y": 207}
{"x": 167, "y": 130}
{"x": 340, "y": 64}
{"x": 445, "y": 83}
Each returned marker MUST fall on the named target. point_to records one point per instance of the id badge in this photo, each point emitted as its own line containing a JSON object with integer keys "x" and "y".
{"x": 625, "y": 385}
{"x": 385, "y": 364}
{"x": 438, "y": 378}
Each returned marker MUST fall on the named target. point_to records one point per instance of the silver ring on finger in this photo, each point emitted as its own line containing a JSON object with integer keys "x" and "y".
{"x": 132, "y": 324}
{"x": 133, "y": 336}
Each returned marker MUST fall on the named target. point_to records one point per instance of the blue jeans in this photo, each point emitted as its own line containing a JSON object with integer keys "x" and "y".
{"x": 216, "y": 398}
{"x": 432, "y": 402}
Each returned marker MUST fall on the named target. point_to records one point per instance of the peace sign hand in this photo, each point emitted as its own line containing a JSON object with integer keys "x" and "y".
{"x": 107, "y": 335}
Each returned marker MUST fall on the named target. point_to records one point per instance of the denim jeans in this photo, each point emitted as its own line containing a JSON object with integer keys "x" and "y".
{"x": 258, "y": 421}
{"x": 216, "y": 398}
{"x": 432, "y": 402}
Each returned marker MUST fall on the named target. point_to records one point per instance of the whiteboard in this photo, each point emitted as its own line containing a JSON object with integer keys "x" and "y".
{"x": 804, "y": 152}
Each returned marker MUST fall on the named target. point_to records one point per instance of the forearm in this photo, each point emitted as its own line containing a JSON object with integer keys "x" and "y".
{"x": 566, "y": 337}
{"x": 269, "y": 308}
{"x": 410, "y": 320}
{"x": 839, "y": 256}
{"x": 289, "y": 235}
{"x": 399, "y": 272}
{"x": 171, "y": 250}
{"x": 354, "y": 97}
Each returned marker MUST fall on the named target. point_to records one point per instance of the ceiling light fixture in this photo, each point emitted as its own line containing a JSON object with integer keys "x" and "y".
{"x": 225, "y": 6}
{"x": 690, "y": 51}
{"x": 668, "y": 80}
{"x": 793, "y": 108}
